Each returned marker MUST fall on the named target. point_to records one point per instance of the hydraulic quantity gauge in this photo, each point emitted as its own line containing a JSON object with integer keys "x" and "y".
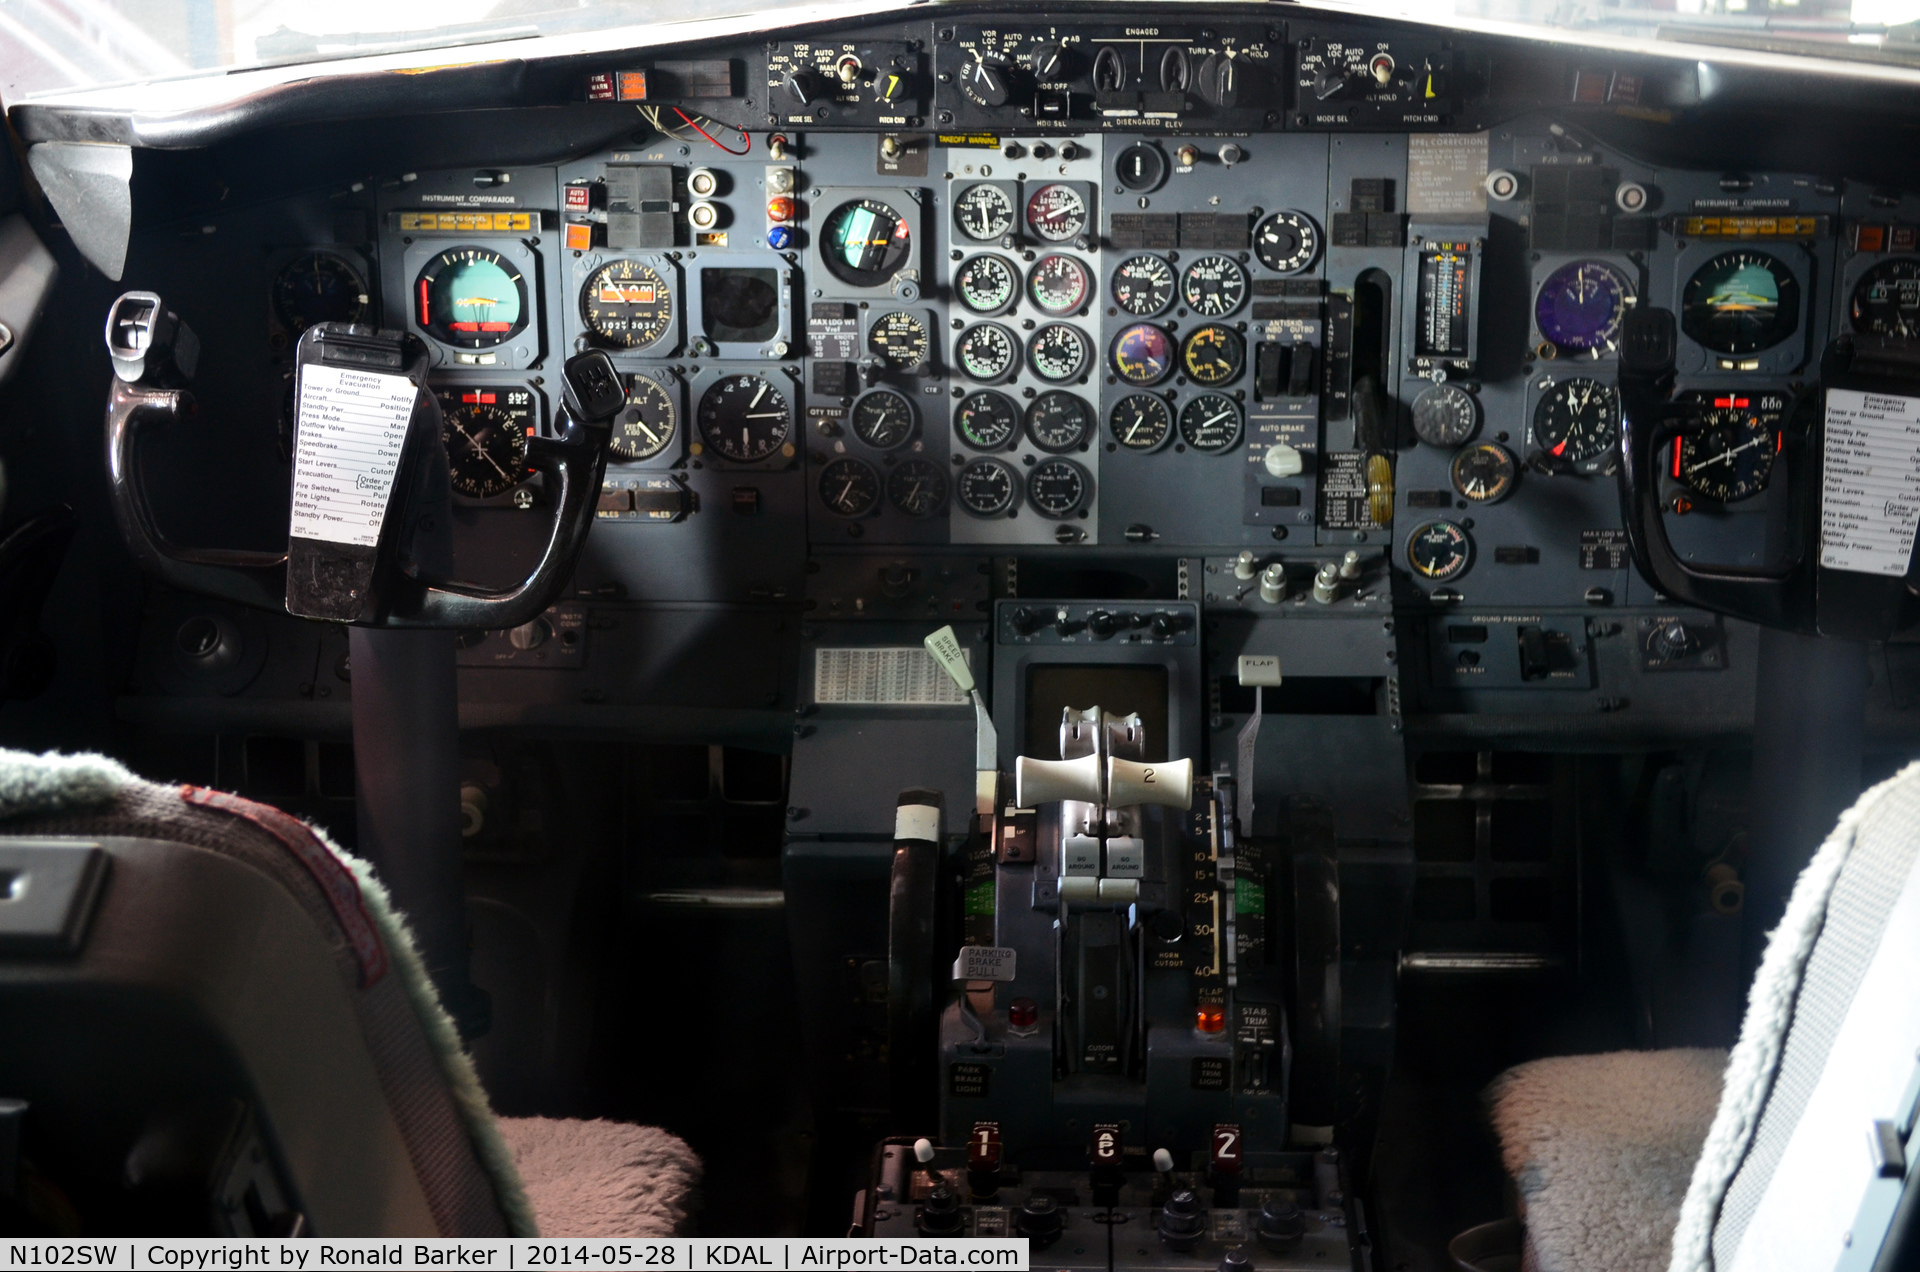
{"x": 745, "y": 418}
{"x": 1141, "y": 422}
{"x": 1727, "y": 451}
{"x": 470, "y": 298}
{"x": 649, "y": 423}
{"x": 1579, "y": 309}
{"x": 986, "y": 420}
{"x": 1741, "y": 302}
{"x": 317, "y": 287}
{"x": 485, "y": 431}
{"x": 917, "y": 487}
{"x": 1577, "y": 421}
{"x": 627, "y": 305}
{"x": 1143, "y": 286}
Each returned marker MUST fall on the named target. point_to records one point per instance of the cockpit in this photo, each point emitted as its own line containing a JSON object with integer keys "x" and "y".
{"x": 1224, "y": 636}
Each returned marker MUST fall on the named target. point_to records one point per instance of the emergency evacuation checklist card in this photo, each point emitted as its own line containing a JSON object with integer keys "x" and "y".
{"x": 353, "y": 426}
{"x": 1871, "y": 487}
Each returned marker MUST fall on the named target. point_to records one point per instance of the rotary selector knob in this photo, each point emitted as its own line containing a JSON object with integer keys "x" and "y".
{"x": 1183, "y": 1221}
{"x": 987, "y": 83}
{"x": 1102, "y": 624}
{"x": 1671, "y": 640}
{"x": 802, "y": 86}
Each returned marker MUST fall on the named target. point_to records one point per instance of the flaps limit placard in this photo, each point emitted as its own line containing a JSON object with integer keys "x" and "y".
{"x": 1870, "y": 504}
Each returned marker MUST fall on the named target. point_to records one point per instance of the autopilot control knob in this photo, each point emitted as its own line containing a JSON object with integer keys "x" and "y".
{"x": 1165, "y": 624}
{"x": 1039, "y": 1220}
{"x": 1053, "y": 63}
{"x": 1280, "y": 1225}
{"x": 1329, "y": 82}
{"x": 1183, "y": 1221}
{"x": 1102, "y": 624}
{"x": 940, "y": 1214}
{"x": 986, "y": 82}
{"x": 803, "y": 86}
{"x": 1023, "y": 621}
{"x": 1221, "y": 80}
{"x": 1672, "y": 639}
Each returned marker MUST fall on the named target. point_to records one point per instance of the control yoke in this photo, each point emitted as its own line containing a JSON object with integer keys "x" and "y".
{"x": 368, "y": 459}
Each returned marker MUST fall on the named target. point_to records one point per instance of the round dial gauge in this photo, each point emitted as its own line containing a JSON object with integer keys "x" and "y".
{"x": 1214, "y": 286}
{"x": 744, "y": 418}
{"x": 865, "y": 242}
{"x": 1141, "y": 422}
{"x": 1741, "y": 301}
{"x": 985, "y": 284}
{"x": 1059, "y": 284}
{"x": 317, "y": 287}
{"x": 1058, "y": 352}
{"x": 627, "y": 304}
{"x": 1057, "y": 213}
{"x": 1287, "y": 242}
{"x": 1057, "y": 488}
{"x": 1580, "y": 306}
{"x": 1445, "y": 415}
{"x": 1211, "y": 422}
{"x": 1577, "y": 420}
{"x": 917, "y": 487}
{"x": 1439, "y": 550}
{"x": 1728, "y": 449}
{"x": 986, "y": 487}
{"x": 1484, "y": 474}
{"x": 485, "y": 432}
{"x": 1213, "y": 354}
{"x": 471, "y": 298}
{"x": 1886, "y": 300}
{"x": 648, "y": 423}
{"x": 1142, "y": 354}
{"x": 883, "y": 419}
{"x": 1143, "y": 286}
{"x": 984, "y": 212}
{"x": 1059, "y": 421}
{"x": 986, "y": 420}
{"x": 900, "y": 340}
{"x": 987, "y": 351}
{"x": 849, "y": 488}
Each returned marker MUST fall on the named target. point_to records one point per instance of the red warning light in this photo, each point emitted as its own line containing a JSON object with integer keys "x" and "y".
{"x": 1211, "y": 1018}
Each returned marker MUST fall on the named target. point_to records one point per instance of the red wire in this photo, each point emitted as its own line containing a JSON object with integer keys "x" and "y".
{"x": 744, "y": 134}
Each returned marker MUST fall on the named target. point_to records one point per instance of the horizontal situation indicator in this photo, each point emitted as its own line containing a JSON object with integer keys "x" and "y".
{"x": 469, "y": 222}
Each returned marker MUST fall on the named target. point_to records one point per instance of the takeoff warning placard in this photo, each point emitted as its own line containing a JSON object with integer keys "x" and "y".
{"x": 352, "y": 428}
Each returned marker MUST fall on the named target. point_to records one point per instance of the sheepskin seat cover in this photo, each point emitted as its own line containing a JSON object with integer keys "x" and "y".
{"x": 604, "y": 1179}
{"x": 1601, "y": 1149}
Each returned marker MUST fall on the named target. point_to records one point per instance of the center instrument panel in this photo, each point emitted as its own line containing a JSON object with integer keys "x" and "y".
{"x": 1232, "y": 298}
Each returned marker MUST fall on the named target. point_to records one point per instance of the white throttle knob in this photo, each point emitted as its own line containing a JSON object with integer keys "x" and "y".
{"x": 1037, "y": 782}
{"x": 1170, "y": 783}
